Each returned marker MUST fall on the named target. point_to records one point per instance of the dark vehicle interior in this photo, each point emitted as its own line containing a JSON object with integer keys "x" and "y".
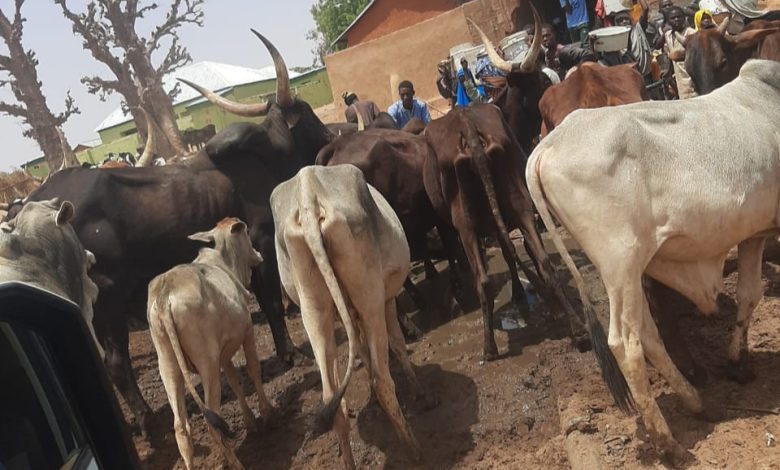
{"x": 57, "y": 408}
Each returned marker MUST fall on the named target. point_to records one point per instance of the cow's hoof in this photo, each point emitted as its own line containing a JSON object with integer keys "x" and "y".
{"x": 696, "y": 375}
{"x": 740, "y": 372}
{"x": 712, "y": 413}
{"x": 582, "y": 343}
{"x": 489, "y": 356}
{"x": 677, "y": 455}
{"x": 428, "y": 400}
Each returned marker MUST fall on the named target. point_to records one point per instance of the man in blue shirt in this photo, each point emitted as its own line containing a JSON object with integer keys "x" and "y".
{"x": 577, "y": 21}
{"x": 408, "y": 106}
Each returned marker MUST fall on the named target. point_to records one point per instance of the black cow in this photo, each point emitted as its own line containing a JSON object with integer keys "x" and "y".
{"x": 713, "y": 57}
{"x": 136, "y": 220}
{"x": 526, "y": 83}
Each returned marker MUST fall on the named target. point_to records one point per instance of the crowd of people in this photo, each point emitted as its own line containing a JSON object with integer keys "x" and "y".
{"x": 652, "y": 39}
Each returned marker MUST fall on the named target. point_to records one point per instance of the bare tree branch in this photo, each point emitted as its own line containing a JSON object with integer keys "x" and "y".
{"x": 5, "y": 61}
{"x": 13, "y": 110}
{"x": 70, "y": 109}
{"x": 175, "y": 19}
{"x": 176, "y": 57}
{"x": 101, "y": 87}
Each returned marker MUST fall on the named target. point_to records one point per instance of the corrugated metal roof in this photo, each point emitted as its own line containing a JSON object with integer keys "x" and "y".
{"x": 212, "y": 75}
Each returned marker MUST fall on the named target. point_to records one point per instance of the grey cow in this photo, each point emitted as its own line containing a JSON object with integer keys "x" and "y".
{"x": 342, "y": 252}
{"x": 39, "y": 247}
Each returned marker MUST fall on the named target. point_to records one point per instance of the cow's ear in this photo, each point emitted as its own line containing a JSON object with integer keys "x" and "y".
{"x": 237, "y": 227}
{"x": 750, "y": 38}
{"x": 65, "y": 213}
{"x": 207, "y": 237}
{"x": 677, "y": 55}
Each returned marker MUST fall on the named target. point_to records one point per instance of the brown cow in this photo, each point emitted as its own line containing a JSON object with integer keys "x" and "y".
{"x": 474, "y": 177}
{"x": 591, "y": 86}
{"x": 713, "y": 57}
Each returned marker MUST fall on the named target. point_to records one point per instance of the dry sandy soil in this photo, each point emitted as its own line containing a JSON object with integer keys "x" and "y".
{"x": 525, "y": 410}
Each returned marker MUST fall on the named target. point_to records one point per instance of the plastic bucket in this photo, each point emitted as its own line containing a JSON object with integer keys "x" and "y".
{"x": 611, "y": 39}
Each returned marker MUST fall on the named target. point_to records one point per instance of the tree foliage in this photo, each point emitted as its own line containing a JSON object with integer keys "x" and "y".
{"x": 331, "y": 18}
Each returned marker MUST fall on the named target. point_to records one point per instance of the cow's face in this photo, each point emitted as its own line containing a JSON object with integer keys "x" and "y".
{"x": 713, "y": 59}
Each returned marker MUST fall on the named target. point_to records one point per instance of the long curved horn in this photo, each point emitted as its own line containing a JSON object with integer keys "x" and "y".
{"x": 241, "y": 109}
{"x": 361, "y": 124}
{"x": 4, "y": 206}
{"x": 148, "y": 153}
{"x": 495, "y": 59}
{"x": 284, "y": 96}
{"x": 529, "y": 63}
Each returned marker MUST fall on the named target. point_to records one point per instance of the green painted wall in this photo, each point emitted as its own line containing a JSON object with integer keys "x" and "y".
{"x": 313, "y": 87}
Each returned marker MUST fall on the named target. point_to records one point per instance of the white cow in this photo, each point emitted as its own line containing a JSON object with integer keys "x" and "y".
{"x": 40, "y": 247}
{"x": 199, "y": 316}
{"x": 667, "y": 188}
{"x": 342, "y": 252}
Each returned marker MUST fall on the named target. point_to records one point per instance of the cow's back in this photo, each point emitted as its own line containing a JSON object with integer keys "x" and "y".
{"x": 591, "y": 86}
{"x": 649, "y": 160}
{"x": 392, "y": 162}
{"x": 346, "y": 202}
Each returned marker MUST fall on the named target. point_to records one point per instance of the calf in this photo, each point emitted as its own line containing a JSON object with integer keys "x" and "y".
{"x": 40, "y": 247}
{"x": 199, "y": 315}
{"x": 474, "y": 178}
{"x": 342, "y": 252}
{"x": 591, "y": 85}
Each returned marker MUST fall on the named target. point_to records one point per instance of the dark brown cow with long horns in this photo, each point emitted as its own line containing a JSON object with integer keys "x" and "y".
{"x": 136, "y": 220}
{"x": 713, "y": 57}
{"x": 475, "y": 180}
{"x": 526, "y": 83}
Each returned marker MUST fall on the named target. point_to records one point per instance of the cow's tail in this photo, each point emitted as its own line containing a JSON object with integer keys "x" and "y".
{"x": 213, "y": 418}
{"x": 480, "y": 159}
{"x": 310, "y": 214}
{"x": 610, "y": 370}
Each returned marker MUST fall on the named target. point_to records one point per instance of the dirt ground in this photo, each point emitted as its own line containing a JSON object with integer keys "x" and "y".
{"x": 525, "y": 410}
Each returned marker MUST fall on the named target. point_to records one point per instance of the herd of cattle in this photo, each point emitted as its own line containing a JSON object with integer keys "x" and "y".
{"x": 336, "y": 215}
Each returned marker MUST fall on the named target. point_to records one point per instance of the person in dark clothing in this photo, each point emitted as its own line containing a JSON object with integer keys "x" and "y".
{"x": 368, "y": 109}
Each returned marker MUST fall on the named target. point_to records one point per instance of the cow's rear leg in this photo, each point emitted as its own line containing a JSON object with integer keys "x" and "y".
{"x": 209, "y": 370}
{"x": 235, "y": 384}
{"x": 411, "y": 330}
{"x": 119, "y": 367}
{"x": 319, "y": 322}
{"x": 749, "y": 293}
{"x": 630, "y": 328}
{"x": 398, "y": 347}
{"x": 265, "y": 285}
{"x": 173, "y": 382}
{"x": 549, "y": 286}
{"x": 508, "y": 251}
{"x": 482, "y": 284}
{"x": 455, "y": 258}
{"x": 373, "y": 314}
{"x": 256, "y": 375}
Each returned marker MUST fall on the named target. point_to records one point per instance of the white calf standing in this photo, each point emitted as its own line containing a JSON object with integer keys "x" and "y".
{"x": 342, "y": 251}
{"x": 199, "y": 316}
